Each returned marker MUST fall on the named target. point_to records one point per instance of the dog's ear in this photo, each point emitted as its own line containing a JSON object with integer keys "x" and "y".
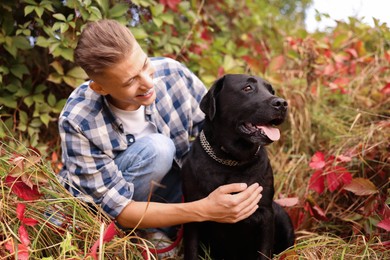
{"x": 208, "y": 104}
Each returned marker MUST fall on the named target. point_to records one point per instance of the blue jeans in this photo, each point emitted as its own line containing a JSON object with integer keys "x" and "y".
{"x": 148, "y": 160}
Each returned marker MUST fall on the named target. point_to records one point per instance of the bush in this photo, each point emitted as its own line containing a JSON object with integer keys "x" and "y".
{"x": 330, "y": 166}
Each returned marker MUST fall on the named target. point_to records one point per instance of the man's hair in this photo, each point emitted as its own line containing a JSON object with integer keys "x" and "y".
{"x": 103, "y": 44}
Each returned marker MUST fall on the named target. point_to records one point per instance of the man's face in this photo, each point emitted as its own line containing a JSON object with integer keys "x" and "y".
{"x": 128, "y": 84}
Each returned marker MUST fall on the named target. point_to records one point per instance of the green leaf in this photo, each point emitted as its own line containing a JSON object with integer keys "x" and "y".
{"x": 8, "y": 101}
{"x": 60, "y": 17}
{"x": 39, "y": 98}
{"x": 51, "y": 100}
{"x": 143, "y": 3}
{"x": 104, "y": 4}
{"x": 28, "y": 101}
{"x": 42, "y": 42}
{"x": 168, "y": 18}
{"x": 55, "y": 78}
{"x": 36, "y": 123}
{"x": 22, "y": 92}
{"x": 11, "y": 49}
{"x": 12, "y": 88}
{"x": 157, "y": 21}
{"x": 19, "y": 70}
{"x": 39, "y": 11}
{"x": 28, "y": 9}
{"x": 139, "y": 33}
{"x": 58, "y": 67}
{"x": 95, "y": 13}
{"x": 40, "y": 88}
{"x": 71, "y": 81}
{"x": 157, "y": 9}
{"x": 77, "y": 72}
{"x": 66, "y": 245}
{"x": 45, "y": 118}
{"x": 65, "y": 53}
{"x": 60, "y": 105}
{"x": 23, "y": 119}
{"x": 21, "y": 42}
{"x": 118, "y": 10}
{"x": 64, "y": 27}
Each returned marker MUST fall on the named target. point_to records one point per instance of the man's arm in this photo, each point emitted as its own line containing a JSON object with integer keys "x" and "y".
{"x": 220, "y": 206}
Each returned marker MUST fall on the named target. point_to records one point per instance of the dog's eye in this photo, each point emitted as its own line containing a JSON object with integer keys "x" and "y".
{"x": 247, "y": 88}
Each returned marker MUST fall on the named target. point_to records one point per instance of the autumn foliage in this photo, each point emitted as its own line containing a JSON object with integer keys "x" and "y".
{"x": 331, "y": 164}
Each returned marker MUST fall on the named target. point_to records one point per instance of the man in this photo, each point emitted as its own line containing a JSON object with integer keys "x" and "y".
{"x": 124, "y": 129}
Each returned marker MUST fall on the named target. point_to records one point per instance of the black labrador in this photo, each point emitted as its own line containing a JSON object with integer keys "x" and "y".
{"x": 241, "y": 112}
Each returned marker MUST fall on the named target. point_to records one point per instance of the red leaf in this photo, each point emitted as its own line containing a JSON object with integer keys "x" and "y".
{"x": 385, "y": 224}
{"x": 317, "y": 161}
{"x": 361, "y": 187}
{"x": 337, "y": 177}
{"x": 9, "y": 245}
{"x": 172, "y": 4}
{"x": 221, "y": 71}
{"x": 316, "y": 182}
{"x": 341, "y": 82}
{"x": 346, "y": 178}
{"x": 20, "y": 208}
{"x": 352, "y": 52}
{"x": 332, "y": 180}
{"x": 23, "y": 235}
{"x": 110, "y": 232}
{"x": 316, "y": 211}
{"x": 23, "y": 252}
{"x": 328, "y": 70}
{"x": 387, "y": 55}
{"x": 344, "y": 158}
{"x": 30, "y": 222}
{"x": 21, "y": 189}
{"x": 386, "y": 89}
{"x": 276, "y": 63}
{"x": 205, "y": 35}
{"x": 108, "y": 236}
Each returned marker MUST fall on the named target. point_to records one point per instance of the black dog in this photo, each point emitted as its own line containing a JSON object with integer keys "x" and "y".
{"x": 241, "y": 111}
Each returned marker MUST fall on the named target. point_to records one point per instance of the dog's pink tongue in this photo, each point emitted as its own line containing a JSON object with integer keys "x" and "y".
{"x": 272, "y": 132}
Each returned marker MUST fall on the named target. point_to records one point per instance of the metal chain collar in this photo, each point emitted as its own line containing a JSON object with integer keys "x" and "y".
{"x": 207, "y": 147}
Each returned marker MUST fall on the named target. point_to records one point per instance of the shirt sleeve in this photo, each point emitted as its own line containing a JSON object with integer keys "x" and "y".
{"x": 91, "y": 172}
{"x": 197, "y": 90}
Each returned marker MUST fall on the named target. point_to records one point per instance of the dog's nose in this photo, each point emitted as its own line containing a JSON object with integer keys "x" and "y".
{"x": 279, "y": 103}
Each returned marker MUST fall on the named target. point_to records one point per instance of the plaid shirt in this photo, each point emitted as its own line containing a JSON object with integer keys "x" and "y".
{"x": 91, "y": 136}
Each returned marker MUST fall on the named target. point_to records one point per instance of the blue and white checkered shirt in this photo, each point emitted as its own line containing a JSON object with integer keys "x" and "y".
{"x": 91, "y": 136}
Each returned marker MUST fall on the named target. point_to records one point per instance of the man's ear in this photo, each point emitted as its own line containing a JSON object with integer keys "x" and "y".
{"x": 209, "y": 102}
{"x": 97, "y": 88}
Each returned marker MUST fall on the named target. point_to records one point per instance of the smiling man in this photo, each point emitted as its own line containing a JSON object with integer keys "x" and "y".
{"x": 129, "y": 126}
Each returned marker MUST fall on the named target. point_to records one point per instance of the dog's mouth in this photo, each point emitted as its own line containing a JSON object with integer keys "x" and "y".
{"x": 262, "y": 130}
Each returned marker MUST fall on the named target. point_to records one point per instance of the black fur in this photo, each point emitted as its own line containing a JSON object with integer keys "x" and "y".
{"x": 233, "y": 103}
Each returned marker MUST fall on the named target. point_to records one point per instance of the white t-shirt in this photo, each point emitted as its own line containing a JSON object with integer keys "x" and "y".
{"x": 134, "y": 122}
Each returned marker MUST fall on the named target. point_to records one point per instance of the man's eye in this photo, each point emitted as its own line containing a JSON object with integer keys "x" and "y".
{"x": 130, "y": 83}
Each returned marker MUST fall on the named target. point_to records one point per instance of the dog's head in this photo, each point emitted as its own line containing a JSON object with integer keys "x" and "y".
{"x": 246, "y": 105}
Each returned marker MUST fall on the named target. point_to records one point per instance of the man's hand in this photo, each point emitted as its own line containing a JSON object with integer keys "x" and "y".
{"x": 231, "y": 203}
{"x": 227, "y": 204}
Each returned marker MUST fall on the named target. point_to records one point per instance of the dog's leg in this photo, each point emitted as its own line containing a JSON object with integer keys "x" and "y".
{"x": 284, "y": 230}
{"x": 267, "y": 231}
{"x": 191, "y": 238}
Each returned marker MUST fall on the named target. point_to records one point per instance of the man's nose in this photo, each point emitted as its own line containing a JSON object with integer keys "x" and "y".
{"x": 146, "y": 78}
